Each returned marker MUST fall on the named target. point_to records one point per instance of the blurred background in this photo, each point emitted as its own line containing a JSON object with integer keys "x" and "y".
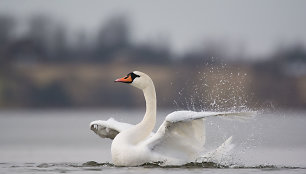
{"x": 59, "y": 60}
{"x": 209, "y": 55}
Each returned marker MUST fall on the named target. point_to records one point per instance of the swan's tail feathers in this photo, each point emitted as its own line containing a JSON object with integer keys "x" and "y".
{"x": 219, "y": 155}
{"x": 238, "y": 115}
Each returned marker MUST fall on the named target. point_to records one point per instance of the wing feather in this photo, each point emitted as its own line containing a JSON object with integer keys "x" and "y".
{"x": 109, "y": 128}
{"x": 182, "y": 134}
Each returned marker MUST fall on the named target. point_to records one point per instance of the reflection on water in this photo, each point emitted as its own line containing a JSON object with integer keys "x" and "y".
{"x": 61, "y": 141}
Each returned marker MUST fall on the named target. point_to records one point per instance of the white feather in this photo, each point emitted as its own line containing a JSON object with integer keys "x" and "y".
{"x": 179, "y": 139}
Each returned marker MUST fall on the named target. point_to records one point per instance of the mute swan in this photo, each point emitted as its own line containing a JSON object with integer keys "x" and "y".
{"x": 178, "y": 140}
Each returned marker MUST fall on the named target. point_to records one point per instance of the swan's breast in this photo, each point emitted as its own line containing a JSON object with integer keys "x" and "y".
{"x": 126, "y": 154}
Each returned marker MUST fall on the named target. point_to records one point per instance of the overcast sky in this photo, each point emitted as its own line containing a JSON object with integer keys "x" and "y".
{"x": 257, "y": 26}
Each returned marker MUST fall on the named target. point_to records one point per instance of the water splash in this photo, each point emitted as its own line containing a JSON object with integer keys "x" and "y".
{"x": 157, "y": 167}
{"x": 221, "y": 88}
{"x": 216, "y": 88}
{"x": 93, "y": 164}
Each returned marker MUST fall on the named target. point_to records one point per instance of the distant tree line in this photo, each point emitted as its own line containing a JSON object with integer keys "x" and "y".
{"x": 46, "y": 40}
{"x": 280, "y": 77}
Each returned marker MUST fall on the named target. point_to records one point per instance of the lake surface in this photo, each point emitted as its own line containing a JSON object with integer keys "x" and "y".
{"x": 61, "y": 142}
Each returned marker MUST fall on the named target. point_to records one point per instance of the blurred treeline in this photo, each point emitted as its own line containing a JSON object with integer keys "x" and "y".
{"x": 45, "y": 65}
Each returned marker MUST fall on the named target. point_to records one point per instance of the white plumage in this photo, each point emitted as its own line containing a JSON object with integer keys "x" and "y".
{"x": 179, "y": 139}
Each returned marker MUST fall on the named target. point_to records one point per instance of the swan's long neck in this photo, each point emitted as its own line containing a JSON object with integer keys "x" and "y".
{"x": 150, "y": 115}
{"x": 143, "y": 129}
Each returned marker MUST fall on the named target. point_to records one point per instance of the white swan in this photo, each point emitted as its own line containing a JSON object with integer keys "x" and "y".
{"x": 179, "y": 139}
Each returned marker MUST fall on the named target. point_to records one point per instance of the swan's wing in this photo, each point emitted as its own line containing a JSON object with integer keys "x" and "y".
{"x": 220, "y": 154}
{"x": 109, "y": 128}
{"x": 182, "y": 134}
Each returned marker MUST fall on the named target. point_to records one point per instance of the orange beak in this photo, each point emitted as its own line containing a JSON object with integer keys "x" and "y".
{"x": 127, "y": 79}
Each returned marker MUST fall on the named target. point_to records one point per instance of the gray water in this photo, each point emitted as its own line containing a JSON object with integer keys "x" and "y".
{"x": 61, "y": 142}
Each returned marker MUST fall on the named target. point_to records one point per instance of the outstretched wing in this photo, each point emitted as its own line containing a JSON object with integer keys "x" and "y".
{"x": 182, "y": 134}
{"x": 110, "y": 128}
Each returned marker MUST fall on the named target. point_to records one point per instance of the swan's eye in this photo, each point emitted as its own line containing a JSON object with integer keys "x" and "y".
{"x": 133, "y": 75}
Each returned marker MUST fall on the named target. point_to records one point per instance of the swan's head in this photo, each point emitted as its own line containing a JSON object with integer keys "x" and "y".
{"x": 137, "y": 79}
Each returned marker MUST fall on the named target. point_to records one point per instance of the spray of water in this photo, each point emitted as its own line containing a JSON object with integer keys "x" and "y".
{"x": 215, "y": 88}
{"x": 221, "y": 88}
